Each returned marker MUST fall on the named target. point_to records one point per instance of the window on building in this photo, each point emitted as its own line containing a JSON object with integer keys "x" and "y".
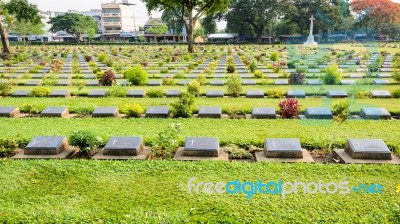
{"x": 113, "y": 11}
{"x": 110, "y": 20}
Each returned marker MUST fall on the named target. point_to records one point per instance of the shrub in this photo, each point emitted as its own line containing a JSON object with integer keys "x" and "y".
{"x": 332, "y": 75}
{"x": 102, "y": 58}
{"x": 289, "y": 108}
{"x": 40, "y": 92}
{"x": 5, "y": 88}
{"x": 132, "y": 110}
{"x": 235, "y": 152}
{"x": 107, "y": 79}
{"x": 31, "y": 108}
{"x": 168, "y": 81}
{"x": 86, "y": 141}
{"x": 341, "y": 110}
{"x": 363, "y": 94}
{"x": 252, "y": 67}
{"x": 155, "y": 93}
{"x": 144, "y": 63}
{"x": 88, "y": 58}
{"x": 292, "y": 64}
{"x": 396, "y": 76}
{"x": 164, "y": 71}
{"x": 194, "y": 88}
{"x": 258, "y": 74}
{"x": 109, "y": 62}
{"x": 118, "y": 91}
{"x": 82, "y": 110}
{"x": 275, "y": 93}
{"x": 297, "y": 78}
{"x": 230, "y": 68}
{"x": 166, "y": 142}
{"x": 234, "y": 84}
{"x": 187, "y": 57}
{"x": 396, "y": 93}
{"x": 201, "y": 79}
{"x": 274, "y": 56}
{"x": 182, "y": 107}
{"x": 136, "y": 75}
{"x": 7, "y": 147}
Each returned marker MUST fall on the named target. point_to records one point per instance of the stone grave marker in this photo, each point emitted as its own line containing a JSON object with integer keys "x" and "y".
{"x": 123, "y": 146}
{"x": 210, "y": 112}
{"x": 283, "y": 148}
{"x": 9, "y": 112}
{"x": 55, "y": 112}
{"x": 157, "y": 112}
{"x": 105, "y": 112}
{"x": 201, "y": 147}
{"x": 374, "y": 113}
{"x": 374, "y": 149}
{"x": 46, "y": 145}
{"x": 263, "y": 113}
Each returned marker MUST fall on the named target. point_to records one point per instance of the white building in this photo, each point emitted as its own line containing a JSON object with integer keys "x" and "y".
{"x": 117, "y": 18}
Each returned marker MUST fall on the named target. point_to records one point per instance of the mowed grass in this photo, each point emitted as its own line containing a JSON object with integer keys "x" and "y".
{"x": 312, "y": 134}
{"x": 81, "y": 191}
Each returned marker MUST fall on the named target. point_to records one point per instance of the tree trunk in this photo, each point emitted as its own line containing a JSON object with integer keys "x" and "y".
{"x": 4, "y": 41}
{"x": 259, "y": 36}
{"x": 190, "y": 31}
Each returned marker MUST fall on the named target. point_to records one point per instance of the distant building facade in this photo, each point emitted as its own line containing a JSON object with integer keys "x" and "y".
{"x": 117, "y": 18}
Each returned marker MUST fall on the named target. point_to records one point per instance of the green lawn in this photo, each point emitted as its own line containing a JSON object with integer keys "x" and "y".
{"x": 81, "y": 191}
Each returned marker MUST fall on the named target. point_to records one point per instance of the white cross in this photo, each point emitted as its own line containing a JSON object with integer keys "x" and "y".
{"x": 115, "y": 140}
{"x": 151, "y": 109}
{"x": 257, "y": 110}
{"x": 273, "y": 144}
{"x": 358, "y": 144}
{"x": 192, "y": 142}
{"x": 312, "y": 18}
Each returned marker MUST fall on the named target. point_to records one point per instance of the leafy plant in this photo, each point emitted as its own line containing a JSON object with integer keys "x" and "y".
{"x": 201, "y": 79}
{"x": 194, "y": 88}
{"x": 168, "y": 81}
{"x": 332, "y": 75}
{"x": 7, "y": 147}
{"x": 136, "y": 75}
{"x": 289, "y": 108}
{"x": 234, "y": 84}
{"x": 396, "y": 76}
{"x": 118, "y": 91}
{"x": 275, "y": 93}
{"x": 40, "y": 92}
{"x": 297, "y": 78}
{"x": 5, "y": 88}
{"x": 258, "y": 74}
{"x": 107, "y": 79}
{"x": 183, "y": 106}
{"x": 396, "y": 93}
{"x": 155, "y": 93}
{"x": 253, "y": 66}
{"x": 166, "y": 142}
{"x": 274, "y": 56}
{"x": 86, "y": 141}
{"x": 235, "y": 152}
{"x": 132, "y": 110}
{"x": 230, "y": 68}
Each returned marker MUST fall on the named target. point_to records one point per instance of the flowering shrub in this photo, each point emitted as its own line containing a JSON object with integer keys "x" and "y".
{"x": 166, "y": 142}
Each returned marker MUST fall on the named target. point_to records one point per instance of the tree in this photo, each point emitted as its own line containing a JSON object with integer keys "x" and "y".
{"x": 86, "y": 25}
{"x": 174, "y": 21}
{"x": 10, "y": 12}
{"x": 373, "y": 14}
{"x": 26, "y": 28}
{"x": 157, "y": 29}
{"x": 74, "y": 24}
{"x": 199, "y": 32}
{"x": 259, "y": 14}
{"x": 209, "y": 25}
{"x": 194, "y": 8}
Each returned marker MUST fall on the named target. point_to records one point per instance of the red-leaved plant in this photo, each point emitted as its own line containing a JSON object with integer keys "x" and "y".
{"x": 289, "y": 108}
{"x": 108, "y": 78}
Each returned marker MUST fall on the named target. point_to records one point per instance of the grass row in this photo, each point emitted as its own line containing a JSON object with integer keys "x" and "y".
{"x": 229, "y": 106}
{"x": 79, "y": 191}
{"x": 312, "y": 134}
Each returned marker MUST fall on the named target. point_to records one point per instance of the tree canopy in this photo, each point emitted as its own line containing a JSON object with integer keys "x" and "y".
{"x": 157, "y": 29}
{"x": 172, "y": 17}
{"x": 74, "y": 24}
{"x": 12, "y": 11}
{"x": 195, "y": 9}
{"x": 209, "y": 24}
{"x": 27, "y": 28}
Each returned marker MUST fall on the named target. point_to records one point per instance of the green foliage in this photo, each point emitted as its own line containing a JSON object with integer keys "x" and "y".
{"x": 332, "y": 75}
{"x": 363, "y": 94}
{"x": 40, "y": 92}
{"x": 74, "y": 24}
{"x": 187, "y": 57}
{"x": 166, "y": 142}
{"x": 5, "y": 88}
{"x": 136, "y": 75}
{"x": 396, "y": 76}
{"x": 234, "y": 84}
{"x": 7, "y": 147}
{"x": 102, "y": 58}
{"x": 183, "y": 106}
{"x": 297, "y": 78}
{"x": 275, "y": 93}
{"x": 253, "y": 66}
{"x": 157, "y": 29}
{"x": 258, "y": 74}
{"x": 118, "y": 91}
{"x": 194, "y": 88}
{"x": 133, "y": 110}
{"x": 274, "y": 56}
{"x": 341, "y": 110}
{"x": 396, "y": 93}
{"x": 155, "y": 93}
{"x": 209, "y": 24}
{"x": 231, "y": 68}
{"x": 168, "y": 81}
{"x": 86, "y": 141}
{"x": 235, "y": 152}
{"x": 201, "y": 79}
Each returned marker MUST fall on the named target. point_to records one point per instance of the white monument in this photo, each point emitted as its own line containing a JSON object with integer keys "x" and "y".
{"x": 310, "y": 39}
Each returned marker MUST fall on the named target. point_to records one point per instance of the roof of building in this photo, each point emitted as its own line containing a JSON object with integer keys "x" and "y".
{"x": 151, "y": 20}
{"x": 223, "y": 35}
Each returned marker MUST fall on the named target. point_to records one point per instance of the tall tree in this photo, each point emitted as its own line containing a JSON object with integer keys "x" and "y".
{"x": 25, "y": 28}
{"x": 10, "y": 12}
{"x": 157, "y": 29}
{"x": 73, "y": 23}
{"x": 326, "y": 12}
{"x": 259, "y": 14}
{"x": 373, "y": 14}
{"x": 174, "y": 21}
{"x": 86, "y": 25}
{"x": 194, "y": 8}
{"x": 209, "y": 24}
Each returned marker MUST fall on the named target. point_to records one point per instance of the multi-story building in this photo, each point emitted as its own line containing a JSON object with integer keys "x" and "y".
{"x": 117, "y": 18}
